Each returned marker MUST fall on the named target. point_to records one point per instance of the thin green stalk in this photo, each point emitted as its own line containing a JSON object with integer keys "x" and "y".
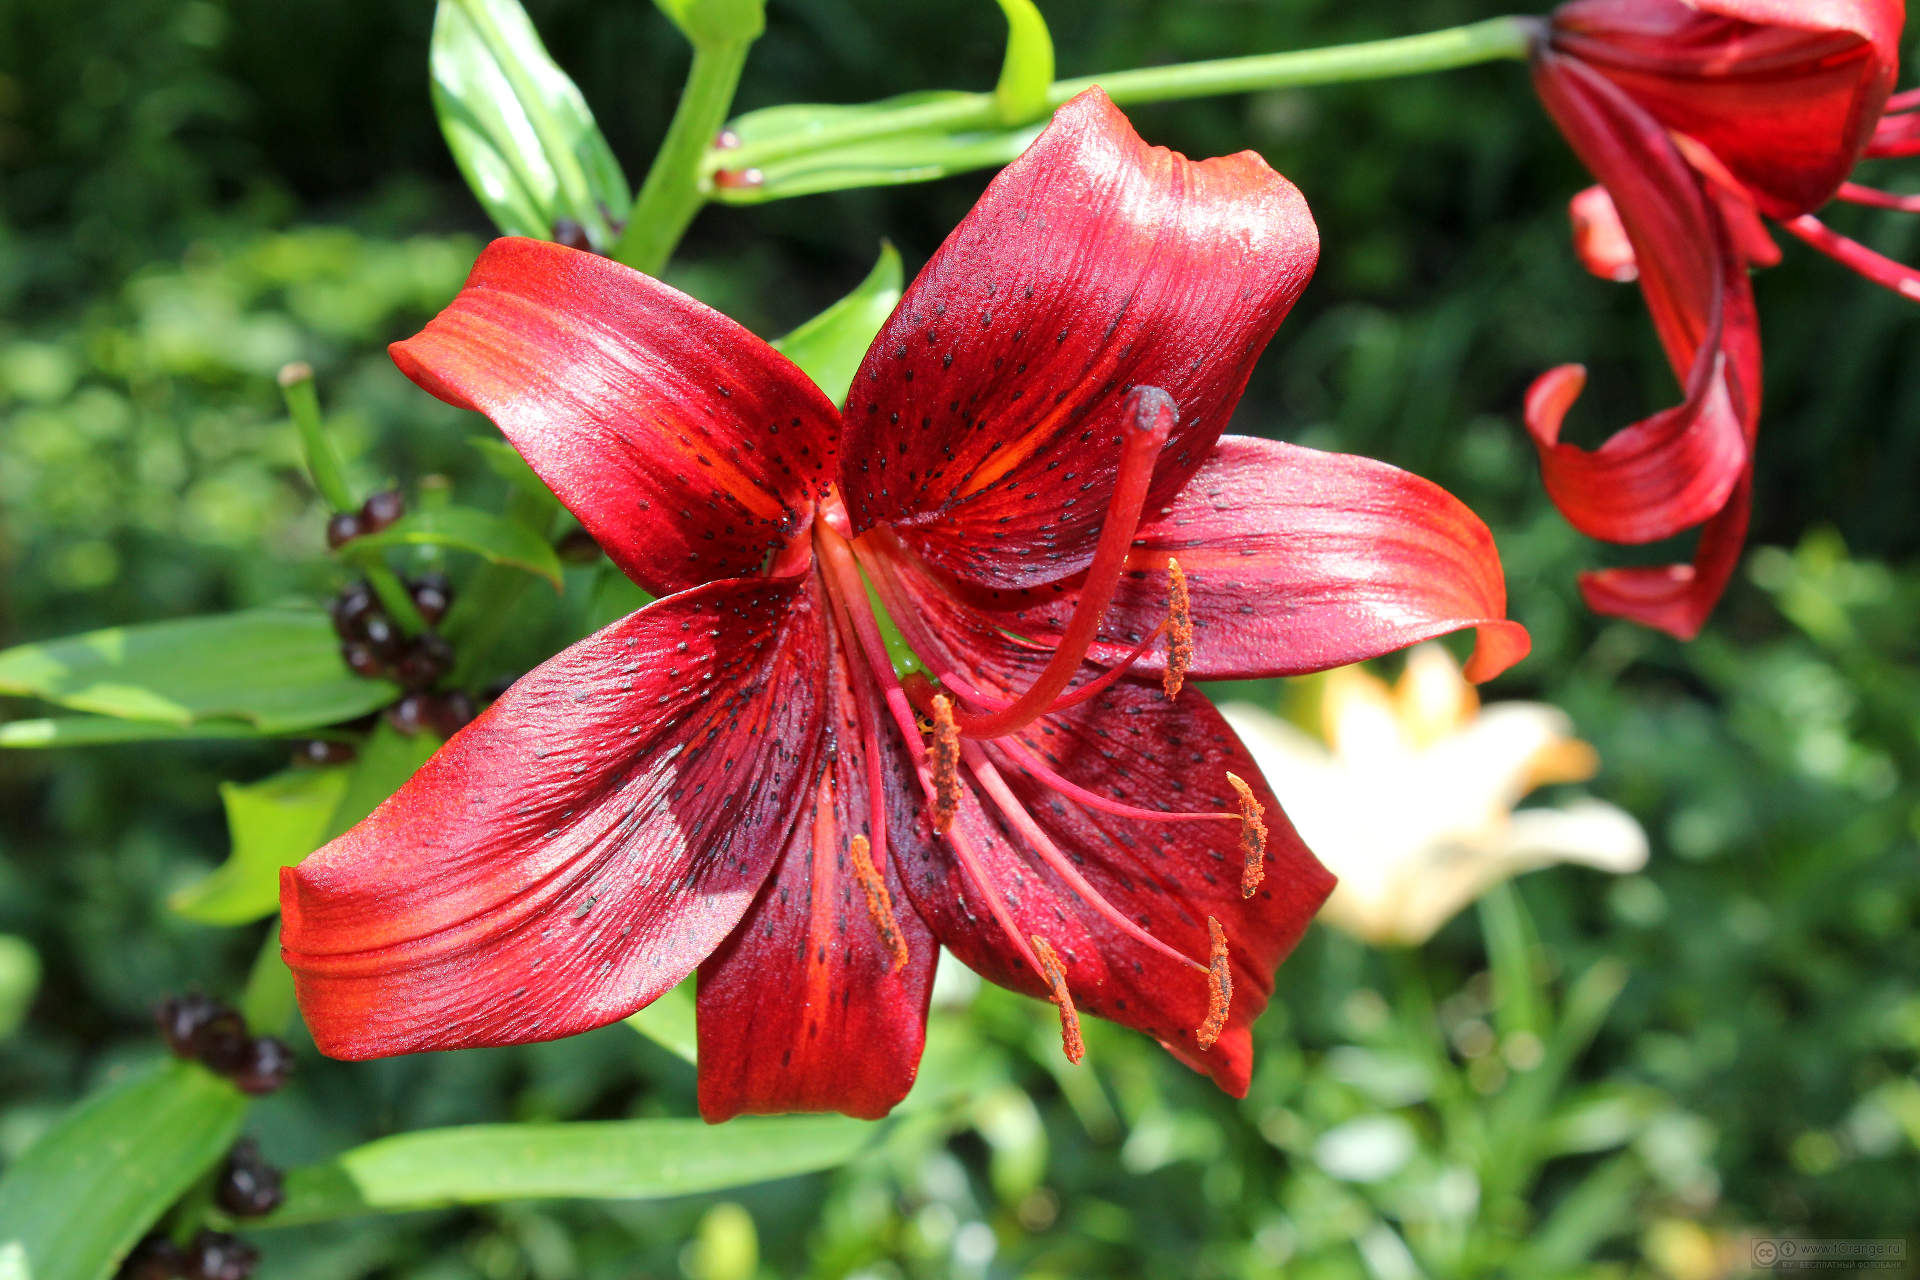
{"x": 1492, "y": 40}
{"x": 393, "y": 593}
{"x": 675, "y": 186}
{"x": 553, "y": 140}
{"x": 323, "y": 463}
{"x": 1517, "y": 994}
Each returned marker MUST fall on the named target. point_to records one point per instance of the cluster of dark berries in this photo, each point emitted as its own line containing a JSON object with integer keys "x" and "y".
{"x": 204, "y": 1030}
{"x": 374, "y": 646}
{"x": 248, "y": 1185}
{"x": 213, "y": 1255}
{"x": 323, "y": 751}
{"x": 375, "y": 514}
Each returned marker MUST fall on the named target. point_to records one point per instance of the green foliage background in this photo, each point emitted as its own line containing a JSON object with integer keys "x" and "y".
{"x": 195, "y": 192}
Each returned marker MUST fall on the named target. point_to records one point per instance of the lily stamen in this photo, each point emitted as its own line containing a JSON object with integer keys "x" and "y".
{"x": 1055, "y": 974}
{"x": 879, "y": 901}
{"x": 1219, "y": 987}
{"x": 1147, "y": 416}
{"x": 1179, "y": 629}
{"x": 1253, "y": 836}
{"x": 945, "y": 757}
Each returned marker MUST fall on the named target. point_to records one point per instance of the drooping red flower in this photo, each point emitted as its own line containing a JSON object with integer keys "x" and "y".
{"x": 1699, "y": 118}
{"x": 735, "y": 778}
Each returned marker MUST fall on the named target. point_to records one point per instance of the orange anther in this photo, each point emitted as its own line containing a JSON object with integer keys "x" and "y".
{"x": 1253, "y": 836}
{"x": 945, "y": 755}
{"x": 1055, "y": 974}
{"x": 1219, "y": 986}
{"x": 1179, "y": 630}
{"x": 879, "y": 901}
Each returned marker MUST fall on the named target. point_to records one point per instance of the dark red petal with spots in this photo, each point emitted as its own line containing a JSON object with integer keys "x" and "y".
{"x": 1297, "y": 561}
{"x": 804, "y": 1008}
{"x": 984, "y": 422}
{"x": 1129, "y": 744}
{"x": 1785, "y": 92}
{"x": 581, "y": 846}
{"x": 687, "y": 447}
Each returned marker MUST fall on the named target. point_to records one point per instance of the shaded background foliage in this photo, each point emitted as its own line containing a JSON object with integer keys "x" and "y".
{"x": 197, "y": 192}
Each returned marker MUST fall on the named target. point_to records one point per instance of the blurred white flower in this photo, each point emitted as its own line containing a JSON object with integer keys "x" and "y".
{"x": 1410, "y": 800}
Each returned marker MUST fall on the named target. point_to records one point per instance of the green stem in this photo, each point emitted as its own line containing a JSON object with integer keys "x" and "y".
{"x": 676, "y": 186}
{"x": 559, "y": 148}
{"x": 1517, "y": 994}
{"x": 1492, "y": 40}
{"x": 393, "y": 593}
{"x": 323, "y": 463}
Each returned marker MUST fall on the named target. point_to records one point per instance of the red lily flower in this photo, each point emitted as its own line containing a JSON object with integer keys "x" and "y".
{"x": 1699, "y": 117}
{"x": 735, "y": 779}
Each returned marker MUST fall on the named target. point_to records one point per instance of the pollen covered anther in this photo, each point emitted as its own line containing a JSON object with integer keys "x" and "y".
{"x": 879, "y": 901}
{"x": 1219, "y": 986}
{"x": 1179, "y": 630}
{"x": 945, "y": 759}
{"x": 1253, "y": 836}
{"x": 1055, "y": 974}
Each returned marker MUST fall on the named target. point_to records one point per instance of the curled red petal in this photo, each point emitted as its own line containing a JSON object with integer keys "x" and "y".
{"x": 687, "y": 447}
{"x": 581, "y": 846}
{"x": 1677, "y": 598}
{"x": 1129, "y": 744}
{"x": 813, "y": 1004}
{"x": 1599, "y": 239}
{"x": 1896, "y": 136}
{"x": 982, "y": 424}
{"x": 1297, "y": 561}
{"x": 1785, "y": 92}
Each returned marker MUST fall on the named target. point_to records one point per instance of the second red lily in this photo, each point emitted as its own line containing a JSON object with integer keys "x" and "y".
{"x": 1029, "y": 480}
{"x": 1699, "y": 117}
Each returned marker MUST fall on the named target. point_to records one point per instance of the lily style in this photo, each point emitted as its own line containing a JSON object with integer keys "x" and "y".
{"x": 1456, "y": 772}
{"x": 1027, "y": 503}
{"x": 1702, "y": 118}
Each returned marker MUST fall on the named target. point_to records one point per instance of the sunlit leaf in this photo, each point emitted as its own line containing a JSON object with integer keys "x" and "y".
{"x": 78, "y": 1199}
{"x": 94, "y": 731}
{"x": 517, "y": 125}
{"x": 829, "y": 347}
{"x": 708, "y": 23}
{"x": 273, "y": 823}
{"x": 493, "y": 537}
{"x": 601, "y": 1160}
{"x": 670, "y": 1022}
{"x": 278, "y": 669}
{"x": 1027, "y": 71}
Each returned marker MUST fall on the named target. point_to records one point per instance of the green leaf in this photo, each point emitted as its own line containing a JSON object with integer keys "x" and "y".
{"x": 1027, "y": 72}
{"x": 387, "y": 759}
{"x": 75, "y": 1203}
{"x": 274, "y": 823}
{"x": 671, "y": 1022}
{"x": 708, "y": 23}
{"x": 19, "y": 980}
{"x": 600, "y": 1160}
{"x": 517, "y": 125}
{"x": 277, "y": 668}
{"x": 93, "y": 731}
{"x": 917, "y": 156}
{"x": 505, "y": 461}
{"x": 493, "y": 537}
{"x": 829, "y": 347}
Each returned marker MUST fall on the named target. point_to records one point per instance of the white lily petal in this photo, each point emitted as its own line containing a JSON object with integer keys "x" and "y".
{"x": 1586, "y": 831}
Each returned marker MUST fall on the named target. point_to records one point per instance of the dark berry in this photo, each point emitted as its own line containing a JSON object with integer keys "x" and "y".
{"x": 382, "y": 509}
{"x": 156, "y": 1257}
{"x": 578, "y": 547}
{"x": 351, "y": 609}
{"x": 248, "y": 1185}
{"x": 432, "y": 595}
{"x": 181, "y": 1018}
{"x": 412, "y": 714}
{"x": 571, "y": 234}
{"x": 343, "y": 528}
{"x": 382, "y": 636}
{"x": 223, "y": 1044}
{"x": 452, "y": 712}
{"x": 323, "y": 751}
{"x": 359, "y": 656}
{"x": 423, "y": 663}
{"x": 265, "y": 1065}
{"x": 215, "y": 1255}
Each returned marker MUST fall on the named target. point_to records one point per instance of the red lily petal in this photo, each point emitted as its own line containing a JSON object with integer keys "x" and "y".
{"x": 1599, "y": 239}
{"x": 1785, "y": 92}
{"x": 581, "y": 846}
{"x": 1677, "y": 598}
{"x": 982, "y": 423}
{"x": 686, "y": 446}
{"x": 1674, "y": 470}
{"x": 1895, "y": 137}
{"x": 1297, "y": 561}
{"x": 813, "y": 1004}
{"x": 1133, "y": 745}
